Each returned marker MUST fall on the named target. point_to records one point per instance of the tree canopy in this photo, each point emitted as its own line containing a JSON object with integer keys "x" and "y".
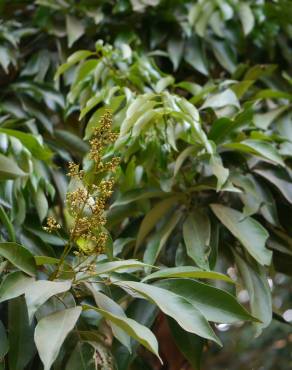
{"x": 145, "y": 183}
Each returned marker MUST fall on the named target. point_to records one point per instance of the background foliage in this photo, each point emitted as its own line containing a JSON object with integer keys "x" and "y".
{"x": 200, "y": 93}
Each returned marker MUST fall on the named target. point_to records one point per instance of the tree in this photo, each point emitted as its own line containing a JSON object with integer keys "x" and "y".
{"x": 174, "y": 118}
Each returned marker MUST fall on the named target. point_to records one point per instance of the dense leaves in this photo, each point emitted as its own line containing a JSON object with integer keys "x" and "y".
{"x": 200, "y": 97}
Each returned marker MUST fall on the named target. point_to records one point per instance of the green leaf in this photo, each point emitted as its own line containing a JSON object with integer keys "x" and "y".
{"x": 138, "y": 194}
{"x": 45, "y": 260}
{"x": 19, "y": 257}
{"x": 9, "y": 170}
{"x": 240, "y": 88}
{"x": 220, "y": 129}
{"x": 224, "y": 55}
{"x": 175, "y": 48}
{"x": 5, "y": 58}
{"x": 160, "y": 238}
{"x": 40, "y": 291}
{"x": 279, "y": 179}
{"x": 248, "y": 231}
{"x": 257, "y": 147}
{"x": 7, "y": 223}
{"x": 196, "y": 234}
{"x": 14, "y": 285}
{"x": 187, "y": 152}
{"x": 255, "y": 280}
{"x": 175, "y": 306}
{"x": 190, "y": 345}
{"x": 141, "y": 104}
{"x": 73, "y": 59}
{"x": 195, "y": 57}
{"x": 71, "y": 141}
{"x": 107, "y": 304}
{"x": 82, "y": 358}
{"x": 187, "y": 272}
{"x": 46, "y": 237}
{"x": 163, "y": 83}
{"x": 273, "y": 94}
{"x": 143, "y": 121}
{"x": 153, "y": 216}
{"x": 4, "y": 345}
{"x": 246, "y": 17}
{"x": 51, "y": 331}
{"x": 137, "y": 331}
{"x": 31, "y": 142}
{"x": 41, "y": 203}
{"x": 219, "y": 171}
{"x": 91, "y": 103}
{"x": 107, "y": 267}
{"x": 221, "y": 99}
{"x": 259, "y": 70}
{"x": 264, "y": 120}
{"x": 75, "y": 29}
{"x": 20, "y": 334}
{"x": 215, "y": 304}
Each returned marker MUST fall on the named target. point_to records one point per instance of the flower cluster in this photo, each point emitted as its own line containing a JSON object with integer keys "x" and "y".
{"x": 88, "y": 202}
{"x": 52, "y": 225}
{"x": 74, "y": 171}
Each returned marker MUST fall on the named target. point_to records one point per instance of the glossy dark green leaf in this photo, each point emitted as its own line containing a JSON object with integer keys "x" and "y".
{"x": 187, "y": 272}
{"x": 8, "y": 224}
{"x": 194, "y": 55}
{"x": 257, "y": 147}
{"x": 153, "y": 216}
{"x": 14, "y": 285}
{"x": 19, "y": 257}
{"x": 4, "y": 345}
{"x": 248, "y": 231}
{"x": 215, "y": 304}
{"x": 20, "y": 335}
{"x": 190, "y": 345}
{"x": 107, "y": 304}
{"x": 255, "y": 281}
{"x": 175, "y": 306}
{"x": 160, "y": 239}
{"x": 107, "y": 267}
{"x": 196, "y": 234}
{"x": 82, "y": 358}
{"x": 139, "y": 332}
{"x": 137, "y": 194}
{"x": 278, "y": 179}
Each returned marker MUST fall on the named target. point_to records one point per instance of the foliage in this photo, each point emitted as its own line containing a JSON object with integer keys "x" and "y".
{"x": 203, "y": 186}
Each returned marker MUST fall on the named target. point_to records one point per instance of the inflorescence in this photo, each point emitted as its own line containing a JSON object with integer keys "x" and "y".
{"x": 88, "y": 202}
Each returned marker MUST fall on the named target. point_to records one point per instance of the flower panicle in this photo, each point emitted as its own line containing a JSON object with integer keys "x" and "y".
{"x": 88, "y": 202}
